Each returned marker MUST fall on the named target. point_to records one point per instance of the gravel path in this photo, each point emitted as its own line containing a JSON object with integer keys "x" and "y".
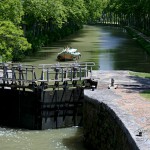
{"x": 125, "y": 99}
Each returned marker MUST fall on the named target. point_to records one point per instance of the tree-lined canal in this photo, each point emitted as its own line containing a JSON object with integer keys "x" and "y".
{"x": 111, "y": 49}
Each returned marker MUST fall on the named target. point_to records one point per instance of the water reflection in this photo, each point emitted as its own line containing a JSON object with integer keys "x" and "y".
{"x": 109, "y": 42}
{"x": 106, "y": 61}
{"x": 118, "y": 51}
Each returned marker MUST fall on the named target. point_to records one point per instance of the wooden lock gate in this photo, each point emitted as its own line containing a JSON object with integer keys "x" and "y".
{"x": 47, "y": 96}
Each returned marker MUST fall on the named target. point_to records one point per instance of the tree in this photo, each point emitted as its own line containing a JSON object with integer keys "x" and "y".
{"x": 41, "y": 18}
{"x": 95, "y": 8}
{"x": 135, "y": 13}
{"x": 76, "y": 10}
{"x": 13, "y": 44}
{"x": 12, "y": 41}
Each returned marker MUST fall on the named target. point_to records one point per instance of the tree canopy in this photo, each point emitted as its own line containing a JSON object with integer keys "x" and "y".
{"x": 11, "y": 10}
{"x": 12, "y": 40}
{"x": 135, "y": 13}
{"x": 13, "y": 44}
{"x": 41, "y": 22}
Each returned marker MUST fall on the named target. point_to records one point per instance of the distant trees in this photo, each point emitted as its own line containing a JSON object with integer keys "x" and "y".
{"x": 135, "y": 13}
{"x": 95, "y": 9}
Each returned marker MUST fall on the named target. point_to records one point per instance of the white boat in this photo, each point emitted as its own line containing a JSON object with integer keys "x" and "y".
{"x": 68, "y": 54}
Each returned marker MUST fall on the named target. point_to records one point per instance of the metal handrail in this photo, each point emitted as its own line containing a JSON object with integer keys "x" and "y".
{"x": 17, "y": 72}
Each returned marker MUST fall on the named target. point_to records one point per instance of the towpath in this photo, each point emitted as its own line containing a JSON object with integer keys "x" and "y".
{"x": 125, "y": 99}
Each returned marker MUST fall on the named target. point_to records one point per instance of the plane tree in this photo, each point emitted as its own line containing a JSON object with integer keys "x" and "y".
{"x": 95, "y": 9}
{"x": 13, "y": 44}
{"x": 76, "y": 16}
{"x": 45, "y": 21}
{"x": 12, "y": 40}
{"x": 135, "y": 13}
{"x": 41, "y": 22}
{"x": 41, "y": 18}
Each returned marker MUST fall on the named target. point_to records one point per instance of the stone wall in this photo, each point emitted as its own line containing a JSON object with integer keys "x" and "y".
{"x": 102, "y": 129}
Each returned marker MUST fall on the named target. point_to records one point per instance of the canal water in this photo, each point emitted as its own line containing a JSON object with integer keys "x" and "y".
{"x": 111, "y": 48}
{"x": 51, "y": 139}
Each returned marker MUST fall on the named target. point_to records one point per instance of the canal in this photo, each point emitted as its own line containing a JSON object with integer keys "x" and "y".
{"x": 111, "y": 48}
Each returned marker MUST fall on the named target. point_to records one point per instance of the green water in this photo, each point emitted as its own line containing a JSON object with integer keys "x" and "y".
{"x": 52, "y": 139}
{"x": 110, "y": 48}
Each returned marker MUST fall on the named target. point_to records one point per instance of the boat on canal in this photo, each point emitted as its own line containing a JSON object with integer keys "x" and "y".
{"x": 68, "y": 53}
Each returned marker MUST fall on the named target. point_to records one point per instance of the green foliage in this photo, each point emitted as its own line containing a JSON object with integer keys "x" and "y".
{"x": 43, "y": 21}
{"x": 129, "y": 7}
{"x": 42, "y": 11}
{"x": 76, "y": 10}
{"x": 11, "y": 10}
{"x": 133, "y": 13}
{"x": 95, "y": 8}
{"x": 57, "y": 12}
{"x": 12, "y": 42}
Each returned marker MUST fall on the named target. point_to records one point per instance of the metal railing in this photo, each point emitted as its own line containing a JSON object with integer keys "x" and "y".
{"x": 60, "y": 72}
{"x": 65, "y": 71}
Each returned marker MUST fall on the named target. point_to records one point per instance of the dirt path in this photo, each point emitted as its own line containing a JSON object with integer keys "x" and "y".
{"x": 134, "y": 108}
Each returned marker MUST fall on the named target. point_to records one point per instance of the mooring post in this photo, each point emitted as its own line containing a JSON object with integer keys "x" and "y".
{"x": 112, "y": 82}
{"x": 112, "y": 85}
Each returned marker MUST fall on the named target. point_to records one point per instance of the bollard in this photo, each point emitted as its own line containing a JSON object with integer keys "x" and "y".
{"x": 112, "y": 82}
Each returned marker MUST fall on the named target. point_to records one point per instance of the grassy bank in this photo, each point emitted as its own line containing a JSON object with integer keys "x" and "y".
{"x": 145, "y": 93}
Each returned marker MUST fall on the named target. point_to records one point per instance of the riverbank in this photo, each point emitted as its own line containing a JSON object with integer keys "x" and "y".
{"x": 141, "y": 38}
{"x": 127, "y": 107}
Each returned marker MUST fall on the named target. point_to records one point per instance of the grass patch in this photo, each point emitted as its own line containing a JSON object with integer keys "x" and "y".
{"x": 140, "y": 74}
{"x": 146, "y": 93}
